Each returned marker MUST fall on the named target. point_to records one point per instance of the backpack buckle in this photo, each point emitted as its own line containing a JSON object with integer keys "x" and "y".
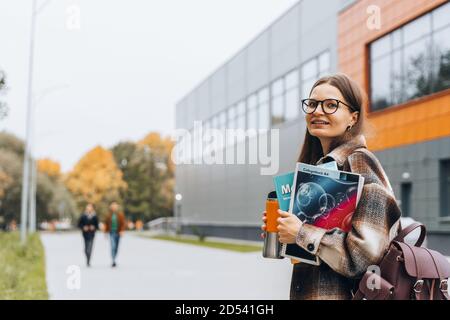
{"x": 444, "y": 285}
{"x": 420, "y": 284}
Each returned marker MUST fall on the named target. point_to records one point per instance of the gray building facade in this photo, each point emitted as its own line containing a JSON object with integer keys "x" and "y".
{"x": 260, "y": 88}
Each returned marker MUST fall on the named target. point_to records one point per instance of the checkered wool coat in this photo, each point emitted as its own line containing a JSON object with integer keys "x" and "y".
{"x": 346, "y": 256}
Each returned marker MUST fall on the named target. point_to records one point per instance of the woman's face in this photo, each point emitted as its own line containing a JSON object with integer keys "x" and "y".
{"x": 336, "y": 123}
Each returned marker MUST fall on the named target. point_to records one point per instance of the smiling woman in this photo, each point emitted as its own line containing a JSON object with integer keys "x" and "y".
{"x": 335, "y": 120}
{"x": 341, "y": 116}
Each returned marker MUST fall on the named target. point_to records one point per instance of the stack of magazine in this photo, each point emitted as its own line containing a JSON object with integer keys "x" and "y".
{"x": 321, "y": 196}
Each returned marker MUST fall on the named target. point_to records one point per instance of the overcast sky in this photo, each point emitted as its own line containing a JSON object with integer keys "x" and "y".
{"x": 118, "y": 76}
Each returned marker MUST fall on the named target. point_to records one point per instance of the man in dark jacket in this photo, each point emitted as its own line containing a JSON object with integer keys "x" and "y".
{"x": 88, "y": 224}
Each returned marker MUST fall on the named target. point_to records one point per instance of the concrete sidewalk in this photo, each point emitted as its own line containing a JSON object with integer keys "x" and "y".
{"x": 155, "y": 269}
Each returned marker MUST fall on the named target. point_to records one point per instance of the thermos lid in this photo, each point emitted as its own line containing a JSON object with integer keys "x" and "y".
{"x": 272, "y": 195}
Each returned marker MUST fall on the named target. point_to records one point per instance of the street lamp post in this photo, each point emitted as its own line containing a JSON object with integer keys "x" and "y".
{"x": 26, "y": 160}
{"x": 33, "y": 158}
{"x": 178, "y": 198}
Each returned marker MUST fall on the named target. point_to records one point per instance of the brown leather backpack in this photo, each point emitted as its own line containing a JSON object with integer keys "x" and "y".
{"x": 407, "y": 272}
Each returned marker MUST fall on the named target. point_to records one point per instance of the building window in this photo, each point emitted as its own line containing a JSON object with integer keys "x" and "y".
{"x": 312, "y": 70}
{"x": 411, "y": 62}
{"x": 236, "y": 119}
{"x": 292, "y": 95}
{"x": 232, "y": 122}
{"x": 285, "y": 98}
{"x": 324, "y": 63}
{"x": 445, "y": 188}
{"x": 240, "y": 109}
{"x": 406, "y": 189}
{"x": 231, "y": 117}
{"x": 263, "y": 112}
{"x": 215, "y": 122}
{"x": 277, "y": 102}
{"x": 223, "y": 120}
{"x": 252, "y": 105}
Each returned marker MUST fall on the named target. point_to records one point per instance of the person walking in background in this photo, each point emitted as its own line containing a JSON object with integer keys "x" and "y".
{"x": 88, "y": 224}
{"x": 115, "y": 224}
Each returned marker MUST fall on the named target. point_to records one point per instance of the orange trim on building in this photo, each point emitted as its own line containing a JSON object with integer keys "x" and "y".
{"x": 420, "y": 120}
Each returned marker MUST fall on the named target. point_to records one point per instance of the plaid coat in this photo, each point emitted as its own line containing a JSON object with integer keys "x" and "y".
{"x": 346, "y": 256}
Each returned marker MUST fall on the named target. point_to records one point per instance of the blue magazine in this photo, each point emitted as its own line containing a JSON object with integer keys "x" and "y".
{"x": 324, "y": 198}
{"x": 283, "y": 185}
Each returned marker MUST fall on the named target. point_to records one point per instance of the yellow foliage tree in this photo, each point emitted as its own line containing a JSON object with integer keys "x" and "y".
{"x": 96, "y": 179}
{"x": 161, "y": 148}
{"x": 50, "y": 167}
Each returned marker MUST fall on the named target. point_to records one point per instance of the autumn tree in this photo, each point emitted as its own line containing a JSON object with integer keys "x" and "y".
{"x": 96, "y": 178}
{"x": 49, "y": 167}
{"x": 148, "y": 172}
{"x": 51, "y": 194}
{"x": 162, "y": 148}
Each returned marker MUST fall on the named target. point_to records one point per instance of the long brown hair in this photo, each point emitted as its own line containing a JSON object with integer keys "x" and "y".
{"x": 353, "y": 94}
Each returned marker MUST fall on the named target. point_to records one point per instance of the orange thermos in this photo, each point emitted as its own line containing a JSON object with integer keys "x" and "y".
{"x": 272, "y": 245}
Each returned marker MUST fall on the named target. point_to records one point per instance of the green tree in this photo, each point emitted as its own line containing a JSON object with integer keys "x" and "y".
{"x": 145, "y": 170}
{"x": 50, "y": 191}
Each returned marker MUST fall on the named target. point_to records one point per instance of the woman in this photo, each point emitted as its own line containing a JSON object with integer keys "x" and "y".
{"x": 88, "y": 224}
{"x": 335, "y": 119}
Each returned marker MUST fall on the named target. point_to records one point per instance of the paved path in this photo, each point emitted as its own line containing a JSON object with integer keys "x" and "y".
{"x": 156, "y": 269}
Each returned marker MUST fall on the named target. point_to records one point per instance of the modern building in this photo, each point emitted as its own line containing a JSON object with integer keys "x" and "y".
{"x": 398, "y": 51}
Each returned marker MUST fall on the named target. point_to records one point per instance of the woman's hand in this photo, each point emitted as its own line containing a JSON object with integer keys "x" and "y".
{"x": 263, "y": 226}
{"x": 288, "y": 226}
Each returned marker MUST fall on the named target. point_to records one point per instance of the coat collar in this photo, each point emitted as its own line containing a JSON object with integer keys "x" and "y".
{"x": 341, "y": 152}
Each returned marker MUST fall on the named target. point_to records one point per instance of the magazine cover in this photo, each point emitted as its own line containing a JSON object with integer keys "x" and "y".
{"x": 283, "y": 185}
{"x": 324, "y": 198}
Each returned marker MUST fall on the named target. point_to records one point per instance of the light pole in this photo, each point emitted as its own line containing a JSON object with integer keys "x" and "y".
{"x": 26, "y": 160}
{"x": 178, "y": 198}
{"x": 36, "y": 101}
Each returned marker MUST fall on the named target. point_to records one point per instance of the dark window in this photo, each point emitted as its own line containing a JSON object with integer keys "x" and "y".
{"x": 412, "y": 61}
{"x": 445, "y": 188}
{"x": 406, "y": 189}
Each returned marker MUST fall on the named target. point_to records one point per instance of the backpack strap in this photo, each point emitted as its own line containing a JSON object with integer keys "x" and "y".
{"x": 404, "y": 232}
{"x": 443, "y": 285}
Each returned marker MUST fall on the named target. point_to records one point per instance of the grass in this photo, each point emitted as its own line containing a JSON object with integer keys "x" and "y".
{"x": 211, "y": 244}
{"x": 22, "y": 268}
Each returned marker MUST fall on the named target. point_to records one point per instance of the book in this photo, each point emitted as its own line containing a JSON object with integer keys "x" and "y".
{"x": 324, "y": 198}
{"x": 283, "y": 185}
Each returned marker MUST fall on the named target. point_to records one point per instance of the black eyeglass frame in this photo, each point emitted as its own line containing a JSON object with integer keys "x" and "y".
{"x": 338, "y": 102}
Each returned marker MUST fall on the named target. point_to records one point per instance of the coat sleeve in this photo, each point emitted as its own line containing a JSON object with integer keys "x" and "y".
{"x": 96, "y": 223}
{"x": 81, "y": 222}
{"x": 122, "y": 222}
{"x": 374, "y": 224}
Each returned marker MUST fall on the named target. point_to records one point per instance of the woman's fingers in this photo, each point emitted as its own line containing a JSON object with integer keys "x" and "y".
{"x": 263, "y": 235}
{"x": 263, "y": 227}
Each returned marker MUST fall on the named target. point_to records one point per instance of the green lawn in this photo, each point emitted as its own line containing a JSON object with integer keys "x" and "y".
{"x": 211, "y": 244}
{"x": 22, "y": 268}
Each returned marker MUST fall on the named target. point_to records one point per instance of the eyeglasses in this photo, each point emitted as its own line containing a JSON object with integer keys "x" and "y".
{"x": 329, "y": 106}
